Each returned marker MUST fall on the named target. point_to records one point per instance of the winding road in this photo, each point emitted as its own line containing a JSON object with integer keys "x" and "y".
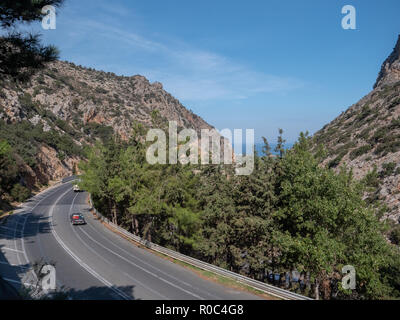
{"x": 91, "y": 261}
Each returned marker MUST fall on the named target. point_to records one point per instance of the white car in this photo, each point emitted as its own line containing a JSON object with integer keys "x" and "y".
{"x": 76, "y": 188}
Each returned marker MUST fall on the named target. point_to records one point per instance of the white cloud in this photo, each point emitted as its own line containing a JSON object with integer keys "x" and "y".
{"x": 219, "y": 79}
{"x": 189, "y": 73}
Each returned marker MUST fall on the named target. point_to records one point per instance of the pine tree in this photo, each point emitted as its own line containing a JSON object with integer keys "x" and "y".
{"x": 218, "y": 211}
{"x": 323, "y": 224}
{"x": 252, "y": 225}
{"x": 21, "y": 54}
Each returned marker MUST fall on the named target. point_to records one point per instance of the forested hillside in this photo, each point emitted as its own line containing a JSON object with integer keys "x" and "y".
{"x": 289, "y": 214}
{"x": 50, "y": 119}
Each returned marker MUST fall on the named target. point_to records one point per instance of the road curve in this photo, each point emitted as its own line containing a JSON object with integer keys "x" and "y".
{"x": 91, "y": 261}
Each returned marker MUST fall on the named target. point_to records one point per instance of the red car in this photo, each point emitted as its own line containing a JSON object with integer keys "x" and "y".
{"x": 77, "y": 219}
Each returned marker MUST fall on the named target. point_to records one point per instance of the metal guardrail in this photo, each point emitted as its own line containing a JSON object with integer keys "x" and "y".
{"x": 264, "y": 287}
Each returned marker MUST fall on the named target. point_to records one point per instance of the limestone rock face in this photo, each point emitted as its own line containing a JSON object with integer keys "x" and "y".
{"x": 81, "y": 103}
{"x": 390, "y": 72}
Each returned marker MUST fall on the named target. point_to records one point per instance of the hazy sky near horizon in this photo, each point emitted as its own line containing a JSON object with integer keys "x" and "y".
{"x": 257, "y": 64}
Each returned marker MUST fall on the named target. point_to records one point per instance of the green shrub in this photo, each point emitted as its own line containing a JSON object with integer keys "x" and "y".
{"x": 395, "y": 235}
{"x": 36, "y": 91}
{"x": 379, "y": 134}
{"x": 30, "y": 107}
{"x": 63, "y": 125}
{"x": 365, "y": 113}
{"x": 101, "y": 131}
{"x": 335, "y": 162}
{"x": 40, "y": 79}
{"x": 388, "y": 169}
{"x": 21, "y": 140}
{"x": 390, "y": 145}
{"x": 44, "y": 113}
{"x": 75, "y": 103}
{"x": 395, "y": 124}
{"x": 48, "y": 90}
{"x": 8, "y": 167}
{"x": 332, "y": 131}
{"x": 394, "y": 104}
{"x": 24, "y": 137}
{"x": 59, "y": 84}
{"x": 61, "y": 155}
{"x": 364, "y": 134}
{"x": 19, "y": 193}
{"x": 344, "y": 138}
{"x": 372, "y": 179}
{"x": 101, "y": 90}
{"x": 61, "y": 143}
{"x": 386, "y": 90}
{"x": 360, "y": 151}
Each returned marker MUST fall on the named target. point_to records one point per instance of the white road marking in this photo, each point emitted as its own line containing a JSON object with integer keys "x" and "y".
{"x": 80, "y": 262}
{"x": 123, "y": 258}
{"x": 136, "y": 265}
{"x": 46, "y": 194}
{"x": 153, "y": 267}
{"x": 24, "y": 224}
{"x": 9, "y": 249}
{"x": 110, "y": 263}
{"x": 77, "y": 259}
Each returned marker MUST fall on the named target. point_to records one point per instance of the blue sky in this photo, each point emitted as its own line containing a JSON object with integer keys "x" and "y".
{"x": 262, "y": 64}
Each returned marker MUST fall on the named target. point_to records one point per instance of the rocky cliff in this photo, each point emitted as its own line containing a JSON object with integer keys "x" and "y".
{"x": 390, "y": 71}
{"x": 63, "y": 108}
{"x": 367, "y": 137}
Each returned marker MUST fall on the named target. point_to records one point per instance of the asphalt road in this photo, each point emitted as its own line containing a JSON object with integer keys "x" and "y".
{"x": 91, "y": 261}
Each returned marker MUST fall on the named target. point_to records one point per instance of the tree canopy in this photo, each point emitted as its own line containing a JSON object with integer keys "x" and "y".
{"x": 21, "y": 53}
{"x": 290, "y": 214}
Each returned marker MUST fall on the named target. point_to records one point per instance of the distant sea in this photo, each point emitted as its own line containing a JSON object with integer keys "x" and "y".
{"x": 260, "y": 145}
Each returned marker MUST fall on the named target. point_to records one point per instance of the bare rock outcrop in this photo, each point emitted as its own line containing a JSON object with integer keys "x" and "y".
{"x": 70, "y": 106}
{"x": 390, "y": 72}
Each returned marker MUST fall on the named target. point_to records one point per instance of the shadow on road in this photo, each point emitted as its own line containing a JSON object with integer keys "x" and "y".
{"x": 25, "y": 225}
{"x": 7, "y": 291}
{"x": 7, "y": 271}
{"x": 11, "y": 287}
{"x": 101, "y": 293}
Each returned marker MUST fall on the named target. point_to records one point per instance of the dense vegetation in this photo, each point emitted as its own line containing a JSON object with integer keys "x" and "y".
{"x": 289, "y": 214}
{"x": 21, "y": 55}
{"x": 19, "y": 144}
{"x": 10, "y": 187}
{"x": 8, "y": 169}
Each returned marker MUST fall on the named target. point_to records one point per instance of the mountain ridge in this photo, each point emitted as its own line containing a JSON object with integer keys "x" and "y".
{"x": 390, "y": 70}
{"x": 68, "y": 107}
{"x": 366, "y": 137}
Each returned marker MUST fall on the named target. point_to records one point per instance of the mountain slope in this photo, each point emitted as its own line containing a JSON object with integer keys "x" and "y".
{"x": 49, "y": 120}
{"x": 367, "y": 135}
